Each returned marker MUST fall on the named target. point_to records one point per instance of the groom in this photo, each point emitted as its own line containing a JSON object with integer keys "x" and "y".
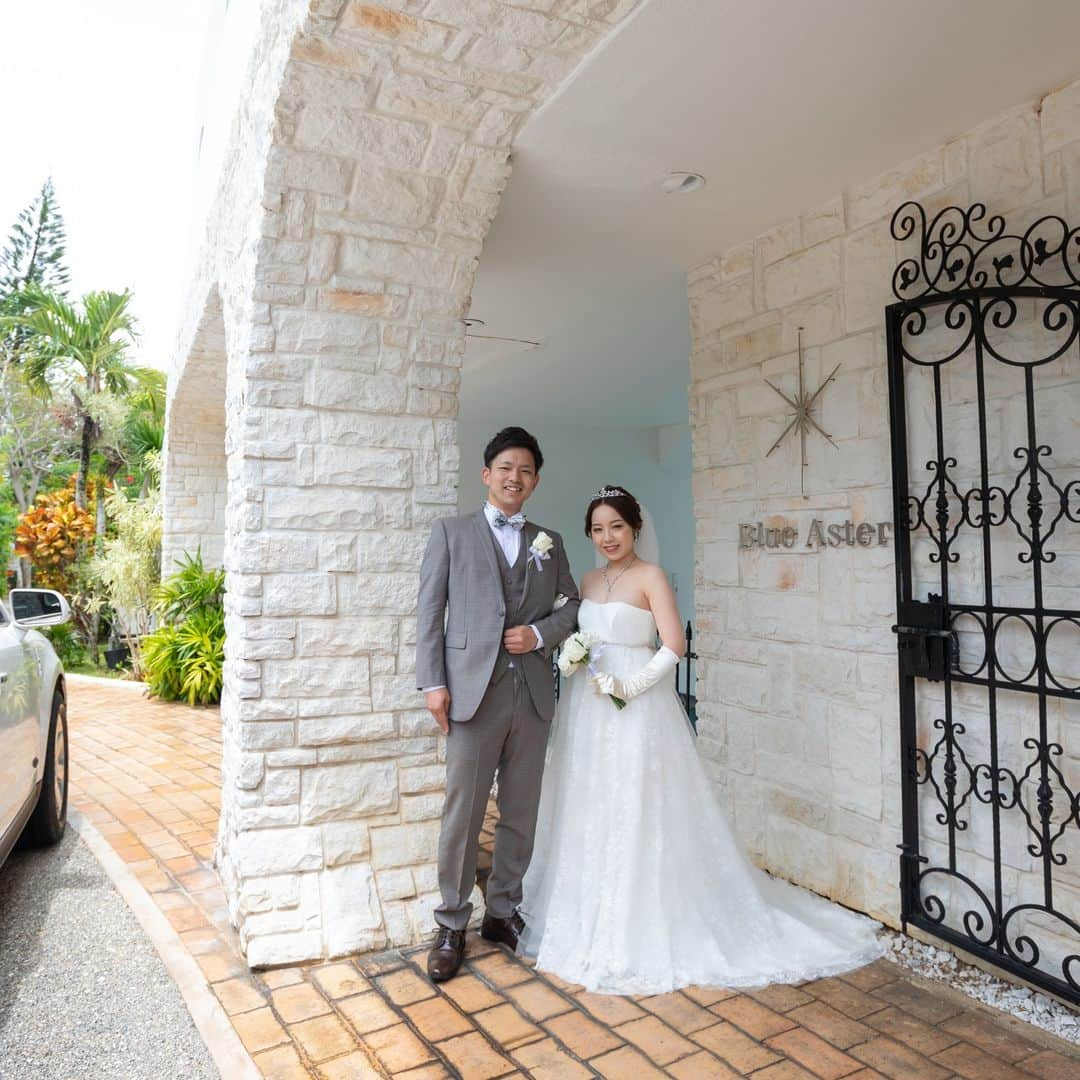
{"x": 486, "y": 626}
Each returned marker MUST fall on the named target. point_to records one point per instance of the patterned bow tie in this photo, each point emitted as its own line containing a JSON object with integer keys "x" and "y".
{"x": 515, "y": 521}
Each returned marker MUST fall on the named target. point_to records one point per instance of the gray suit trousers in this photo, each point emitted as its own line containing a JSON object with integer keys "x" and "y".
{"x": 505, "y": 734}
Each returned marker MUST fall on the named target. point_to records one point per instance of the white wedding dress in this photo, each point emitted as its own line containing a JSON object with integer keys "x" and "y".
{"x": 637, "y": 884}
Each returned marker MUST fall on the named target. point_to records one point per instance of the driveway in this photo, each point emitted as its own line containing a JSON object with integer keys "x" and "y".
{"x": 146, "y": 774}
{"x": 83, "y": 994}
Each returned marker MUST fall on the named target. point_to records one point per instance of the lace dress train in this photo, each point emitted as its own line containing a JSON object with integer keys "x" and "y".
{"x": 637, "y": 884}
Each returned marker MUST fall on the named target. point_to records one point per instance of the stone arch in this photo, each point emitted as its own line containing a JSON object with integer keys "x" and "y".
{"x": 367, "y": 163}
{"x": 194, "y": 474}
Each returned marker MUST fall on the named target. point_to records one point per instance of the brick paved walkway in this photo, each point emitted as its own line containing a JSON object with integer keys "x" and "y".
{"x": 146, "y": 774}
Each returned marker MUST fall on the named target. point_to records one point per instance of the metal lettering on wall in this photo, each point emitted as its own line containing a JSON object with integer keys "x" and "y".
{"x": 819, "y": 535}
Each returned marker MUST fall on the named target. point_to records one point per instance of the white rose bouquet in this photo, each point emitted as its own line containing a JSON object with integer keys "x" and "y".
{"x": 580, "y": 650}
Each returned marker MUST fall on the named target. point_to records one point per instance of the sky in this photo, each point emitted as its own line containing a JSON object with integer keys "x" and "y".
{"x": 102, "y": 95}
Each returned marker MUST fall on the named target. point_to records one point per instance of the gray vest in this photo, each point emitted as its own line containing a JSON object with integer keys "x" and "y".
{"x": 513, "y": 587}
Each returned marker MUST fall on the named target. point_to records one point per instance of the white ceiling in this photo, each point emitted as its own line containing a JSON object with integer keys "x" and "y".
{"x": 780, "y": 104}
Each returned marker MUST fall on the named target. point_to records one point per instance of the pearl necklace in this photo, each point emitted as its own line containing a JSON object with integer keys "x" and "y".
{"x": 611, "y": 584}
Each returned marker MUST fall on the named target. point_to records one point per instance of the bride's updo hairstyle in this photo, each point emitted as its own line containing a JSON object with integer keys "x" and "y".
{"x": 621, "y": 501}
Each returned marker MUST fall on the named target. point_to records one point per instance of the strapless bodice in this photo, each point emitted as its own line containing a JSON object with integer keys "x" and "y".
{"x": 618, "y": 623}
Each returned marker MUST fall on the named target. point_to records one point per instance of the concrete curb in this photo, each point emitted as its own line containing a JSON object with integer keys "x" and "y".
{"x": 230, "y": 1057}
{"x": 102, "y": 680}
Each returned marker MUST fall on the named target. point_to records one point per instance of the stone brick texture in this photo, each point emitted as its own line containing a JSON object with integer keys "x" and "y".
{"x": 797, "y": 696}
{"x": 313, "y": 437}
{"x": 194, "y": 481}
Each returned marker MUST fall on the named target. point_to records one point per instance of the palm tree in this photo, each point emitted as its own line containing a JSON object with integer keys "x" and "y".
{"x": 87, "y": 347}
{"x": 142, "y": 438}
{"x": 144, "y": 431}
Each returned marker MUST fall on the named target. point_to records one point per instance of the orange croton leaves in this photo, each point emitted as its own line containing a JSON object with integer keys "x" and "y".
{"x": 49, "y": 535}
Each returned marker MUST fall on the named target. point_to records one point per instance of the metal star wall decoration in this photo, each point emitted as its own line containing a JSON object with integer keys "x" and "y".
{"x": 803, "y": 419}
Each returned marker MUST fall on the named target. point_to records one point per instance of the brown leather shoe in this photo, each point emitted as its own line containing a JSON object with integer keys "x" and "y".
{"x": 446, "y": 954}
{"x": 504, "y": 931}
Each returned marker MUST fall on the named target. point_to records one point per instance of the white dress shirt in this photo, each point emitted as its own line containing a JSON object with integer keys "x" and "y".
{"x": 509, "y": 539}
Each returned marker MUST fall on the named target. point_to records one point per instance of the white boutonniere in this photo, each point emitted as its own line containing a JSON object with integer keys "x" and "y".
{"x": 539, "y": 549}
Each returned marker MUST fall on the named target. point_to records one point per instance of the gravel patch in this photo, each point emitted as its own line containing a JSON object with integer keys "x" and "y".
{"x": 1019, "y": 1001}
{"x": 83, "y": 994}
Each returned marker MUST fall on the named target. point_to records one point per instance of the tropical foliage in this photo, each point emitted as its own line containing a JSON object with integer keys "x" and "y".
{"x": 50, "y": 535}
{"x": 9, "y": 517}
{"x": 31, "y": 442}
{"x": 83, "y": 350}
{"x": 184, "y": 658}
{"x": 34, "y": 255}
{"x": 81, "y": 432}
{"x": 127, "y": 567}
{"x": 69, "y": 646}
{"x": 55, "y": 535}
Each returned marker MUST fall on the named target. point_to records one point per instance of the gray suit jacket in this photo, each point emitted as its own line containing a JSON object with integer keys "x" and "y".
{"x": 461, "y": 613}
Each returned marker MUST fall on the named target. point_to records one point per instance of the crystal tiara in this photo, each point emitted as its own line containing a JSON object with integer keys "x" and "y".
{"x": 608, "y": 493}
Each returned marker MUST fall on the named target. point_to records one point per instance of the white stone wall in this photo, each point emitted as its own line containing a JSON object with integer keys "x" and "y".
{"x": 364, "y": 170}
{"x": 194, "y": 482}
{"x": 797, "y": 683}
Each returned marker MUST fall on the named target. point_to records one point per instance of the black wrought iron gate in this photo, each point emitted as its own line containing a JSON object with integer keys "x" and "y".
{"x": 984, "y": 390}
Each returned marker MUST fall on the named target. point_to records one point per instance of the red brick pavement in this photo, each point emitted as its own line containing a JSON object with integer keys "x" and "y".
{"x": 147, "y": 775}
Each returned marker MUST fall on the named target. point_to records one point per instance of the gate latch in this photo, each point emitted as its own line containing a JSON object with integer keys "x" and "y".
{"x": 927, "y": 647}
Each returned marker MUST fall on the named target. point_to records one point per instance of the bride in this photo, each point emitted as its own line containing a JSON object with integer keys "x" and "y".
{"x": 637, "y": 884}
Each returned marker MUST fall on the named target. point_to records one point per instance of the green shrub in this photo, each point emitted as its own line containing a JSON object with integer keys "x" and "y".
{"x": 68, "y": 645}
{"x": 183, "y": 659}
{"x": 191, "y": 588}
{"x": 202, "y": 655}
{"x": 161, "y": 664}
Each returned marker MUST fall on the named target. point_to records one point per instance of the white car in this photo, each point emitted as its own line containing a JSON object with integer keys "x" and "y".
{"x": 33, "y": 720}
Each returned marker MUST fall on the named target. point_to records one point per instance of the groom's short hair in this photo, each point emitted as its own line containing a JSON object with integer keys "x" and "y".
{"x": 513, "y": 438}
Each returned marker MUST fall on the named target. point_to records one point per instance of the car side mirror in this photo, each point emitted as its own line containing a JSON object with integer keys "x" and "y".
{"x": 38, "y": 607}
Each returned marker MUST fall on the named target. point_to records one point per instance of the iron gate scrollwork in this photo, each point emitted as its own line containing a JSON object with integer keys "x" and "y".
{"x": 983, "y": 349}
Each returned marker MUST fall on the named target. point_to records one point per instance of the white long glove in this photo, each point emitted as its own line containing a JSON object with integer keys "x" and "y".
{"x": 664, "y": 661}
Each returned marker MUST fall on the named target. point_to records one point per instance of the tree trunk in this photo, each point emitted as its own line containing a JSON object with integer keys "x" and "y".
{"x": 100, "y": 525}
{"x": 15, "y": 480}
{"x": 25, "y": 573}
{"x": 99, "y": 516}
{"x": 85, "y": 446}
{"x": 34, "y": 486}
{"x": 92, "y": 638}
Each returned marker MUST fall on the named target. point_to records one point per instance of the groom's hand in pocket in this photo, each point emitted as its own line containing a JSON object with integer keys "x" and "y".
{"x": 438, "y": 704}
